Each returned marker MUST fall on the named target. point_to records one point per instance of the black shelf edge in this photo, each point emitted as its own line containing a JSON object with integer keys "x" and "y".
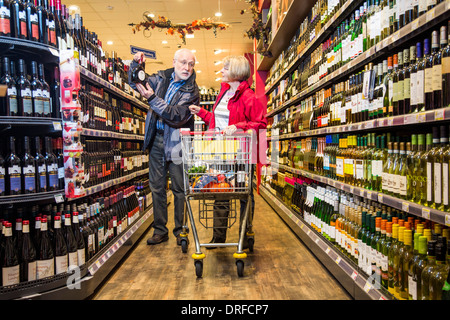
{"x": 55, "y": 196}
{"x": 26, "y": 47}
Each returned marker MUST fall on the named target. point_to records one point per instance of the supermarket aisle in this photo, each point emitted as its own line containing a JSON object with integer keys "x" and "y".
{"x": 280, "y": 268}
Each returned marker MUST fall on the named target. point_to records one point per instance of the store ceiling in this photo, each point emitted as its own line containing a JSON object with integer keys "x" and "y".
{"x": 110, "y": 19}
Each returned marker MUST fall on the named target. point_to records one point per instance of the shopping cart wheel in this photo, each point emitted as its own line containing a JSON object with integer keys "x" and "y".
{"x": 198, "y": 268}
{"x": 184, "y": 245}
{"x": 240, "y": 267}
{"x": 250, "y": 242}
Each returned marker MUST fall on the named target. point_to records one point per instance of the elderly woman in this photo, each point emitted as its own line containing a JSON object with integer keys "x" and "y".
{"x": 236, "y": 108}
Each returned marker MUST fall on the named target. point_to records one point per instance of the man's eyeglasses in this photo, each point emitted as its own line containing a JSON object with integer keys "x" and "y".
{"x": 190, "y": 64}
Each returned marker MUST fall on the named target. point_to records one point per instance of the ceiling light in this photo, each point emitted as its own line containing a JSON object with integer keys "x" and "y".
{"x": 190, "y": 35}
{"x": 199, "y": 71}
{"x": 216, "y": 63}
{"x": 217, "y": 72}
{"x": 193, "y": 51}
{"x": 110, "y": 43}
{"x": 218, "y": 14}
{"x": 218, "y": 79}
{"x": 164, "y": 42}
{"x": 217, "y": 51}
{"x": 196, "y": 62}
{"x": 110, "y": 7}
{"x": 151, "y": 15}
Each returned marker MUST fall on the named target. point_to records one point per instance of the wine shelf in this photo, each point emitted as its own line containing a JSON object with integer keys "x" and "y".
{"x": 109, "y": 134}
{"x": 432, "y": 18}
{"x": 23, "y": 47}
{"x": 93, "y": 77}
{"x": 41, "y": 197}
{"x": 425, "y": 117}
{"x": 329, "y": 27}
{"x": 102, "y": 186}
{"x": 357, "y": 283}
{"x": 413, "y": 208}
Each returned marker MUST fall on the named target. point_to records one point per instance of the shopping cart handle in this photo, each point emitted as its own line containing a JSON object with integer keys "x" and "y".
{"x": 187, "y": 132}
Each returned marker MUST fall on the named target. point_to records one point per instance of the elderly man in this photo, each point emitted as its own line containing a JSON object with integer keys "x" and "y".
{"x": 170, "y": 93}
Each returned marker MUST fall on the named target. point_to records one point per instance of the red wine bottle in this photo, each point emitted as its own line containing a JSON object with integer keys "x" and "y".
{"x": 13, "y": 169}
{"x": 27, "y": 255}
{"x": 72, "y": 246}
{"x": 9, "y": 261}
{"x": 36, "y": 91}
{"x": 41, "y": 168}
{"x": 2, "y": 176}
{"x": 46, "y": 100}
{"x": 55, "y": 95}
{"x": 28, "y": 169}
{"x": 81, "y": 247}
{"x": 45, "y": 264}
{"x": 18, "y": 19}
{"x": 59, "y": 247}
{"x": 8, "y": 104}
{"x": 51, "y": 27}
{"x": 5, "y": 18}
{"x": 42, "y": 21}
{"x": 24, "y": 88}
{"x": 52, "y": 166}
{"x": 32, "y": 21}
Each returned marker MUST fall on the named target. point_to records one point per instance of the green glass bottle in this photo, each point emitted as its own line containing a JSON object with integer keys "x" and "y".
{"x": 419, "y": 172}
{"x": 415, "y": 269}
{"x": 386, "y": 245}
{"x": 440, "y": 272}
{"x": 405, "y": 260}
{"x": 397, "y": 267}
{"x": 426, "y": 273}
{"x": 431, "y": 178}
{"x": 391, "y": 255}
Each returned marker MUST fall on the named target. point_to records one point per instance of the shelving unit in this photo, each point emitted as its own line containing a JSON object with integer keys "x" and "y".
{"x": 354, "y": 280}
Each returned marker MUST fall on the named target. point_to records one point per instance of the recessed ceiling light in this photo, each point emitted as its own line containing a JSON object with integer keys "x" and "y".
{"x": 151, "y": 15}
{"x": 196, "y": 62}
{"x": 110, "y": 7}
{"x": 110, "y": 43}
{"x": 218, "y": 79}
{"x": 217, "y": 51}
{"x": 216, "y": 63}
{"x": 217, "y": 72}
{"x": 193, "y": 51}
{"x": 199, "y": 71}
{"x": 218, "y": 14}
{"x": 190, "y": 36}
{"x": 164, "y": 42}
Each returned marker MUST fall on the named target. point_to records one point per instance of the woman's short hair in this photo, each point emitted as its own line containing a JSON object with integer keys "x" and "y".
{"x": 238, "y": 68}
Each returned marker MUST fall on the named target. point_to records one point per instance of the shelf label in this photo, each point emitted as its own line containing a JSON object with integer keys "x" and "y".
{"x": 59, "y": 198}
{"x": 439, "y": 114}
{"x": 57, "y": 126}
{"x": 367, "y": 287}
{"x": 430, "y": 15}
{"x": 421, "y": 117}
{"x": 410, "y": 119}
{"x": 405, "y": 206}
{"x": 447, "y": 220}
{"x": 338, "y": 260}
{"x": 380, "y": 198}
{"x": 354, "y": 275}
{"x": 426, "y": 213}
{"x": 328, "y": 250}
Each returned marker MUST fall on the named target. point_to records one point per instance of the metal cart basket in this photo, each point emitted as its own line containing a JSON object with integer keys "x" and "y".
{"x": 217, "y": 173}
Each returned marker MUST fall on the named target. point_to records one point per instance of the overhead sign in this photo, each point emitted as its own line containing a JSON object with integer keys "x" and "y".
{"x": 151, "y": 54}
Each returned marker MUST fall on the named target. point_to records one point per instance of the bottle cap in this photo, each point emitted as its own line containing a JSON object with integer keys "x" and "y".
{"x": 407, "y": 237}
{"x": 423, "y": 245}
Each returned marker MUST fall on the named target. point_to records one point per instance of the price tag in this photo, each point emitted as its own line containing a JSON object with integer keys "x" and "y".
{"x": 369, "y": 125}
{"x": 421, "y": 117}
{"x": 57, "y": 126}
{"x": 415, "y": 24}
{"x": 447, "y": 220}
{"x": 354, "y": 275}
{"x": 439, "y": 114}
{"x": 380, "y": 198}
{"x": 430, "y": 15}
{"x": 317, "y": 240}
{"x": 59, "y": 198}
{"x": 426, "y": 213}
{"x": 410, "y": 119}
{"x": 367, "y": 287}
{"x": 405, "y": 206}
{"x": 338, "y": 260}
{"x": 369, "y": 195}
{"x": 328, "y": 250}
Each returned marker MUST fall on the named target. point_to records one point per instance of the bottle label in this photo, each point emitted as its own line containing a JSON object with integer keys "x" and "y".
{"x": 445, "y": 184}
{"x": 32, "y": 271}
{"x": 53, "y": 180}
{"x": 420, "y": 87}
{"x": 428, "y": 80}
{"x": 2, "y": 183}
{"x": 73, "y": 259}
{"x": 437, "y": 183}
{"x": 446, "y": 65}
{"x": 45, "y": 268}
{"x": 437, "y": 77}
{"x": 407, "y": 89}
{"x": 5, "y": 25}
{"x": 412, "y": 88}
{"x": 429, "y": 182}
{"x": 30, "y": 183}
{"x": 61, "y": 264}
{"x": 412, "y": 288}
{"x": 81, "y": 256}
{"x": 10, "y": 275}
{"x": 402, "y": 182}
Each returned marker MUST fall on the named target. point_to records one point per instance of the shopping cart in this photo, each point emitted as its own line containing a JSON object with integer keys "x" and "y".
{"x": 217, "y": 173}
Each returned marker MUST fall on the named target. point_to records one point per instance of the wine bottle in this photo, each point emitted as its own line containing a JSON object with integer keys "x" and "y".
{"x": 421, "y": 66}
{"x": 9, "y": 105}
{"x": 55, "y": 95}
{"x": 446, "y": 72}
{"x": 45, "y": 265}
{"x": 52, "y": 166}
{"x": 28, "y": 255}
{"x": 51, "y": 28}
{"x": 437, "y": 70}
{"x": 18, "y": 20}
{"x": 81, "y": 246}
{"x": 41, "y": 168}
{"x": 440, "y": 272}
{"x": 2, "y": 176}
{"x": 42, "y": 21}
{"x": 24, "y": 88}
{"x": 429, "y": 70}
{"x": 13, "y": 169}
{"x": 138, "y": 74}
{"x": 72, "y": 247}
{"x": 32, "y": 21}
{"x": 46, "y": 99}
{"x": 59, "y": 247}
{"x": 5, "y": 18}
{"x": 28, "y": 168}
{"x": 36, "y": 91}
{"x": 9, "y": 259}
{"x": 60, "y": 160}
{"x": 426, "y": 273}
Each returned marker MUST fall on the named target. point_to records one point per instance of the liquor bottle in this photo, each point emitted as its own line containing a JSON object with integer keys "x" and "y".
{"x": 8, "y": 104}
{"x": 391, "y": 255}
{"x": 60, "y": 160}
{"x": 28, "y": 169}
{"x": 5, "y": 18}
{"x": 45, "y": 265}
{"x": 24, "y": 89}
{"x": 437, "y": 70}
{"x": 52, "y": 166}
{"x": 385, "y": 246}
{"x": 42, "y": 17}
{"x": 416, "y": 268}
{"x": 446, "y": 72}
{"x": 46, "y": 99}
{"x": 440, "y": 272}
{"x": 9, "y": 259}
{"x": 18, "y": 19}
{"x": 36, "y": 91}
{"x": 32, "y": 21}
{"x": 81, "y": 246}
{"x": 408, "y": 56}
{"x": 27, "y": 255}
{"x": 72, "y": 246}
{"x": 59, "y": 247}
{"x": 426, "y": 273}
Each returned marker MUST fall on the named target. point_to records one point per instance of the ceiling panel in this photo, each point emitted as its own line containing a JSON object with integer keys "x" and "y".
{"x": 110, "y": 19}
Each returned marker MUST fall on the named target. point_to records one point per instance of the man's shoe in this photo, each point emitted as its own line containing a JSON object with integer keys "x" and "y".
{"x": 215, "y": 240}
{"x": 179, "y": 238}
{"x": 157, "y": 238}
